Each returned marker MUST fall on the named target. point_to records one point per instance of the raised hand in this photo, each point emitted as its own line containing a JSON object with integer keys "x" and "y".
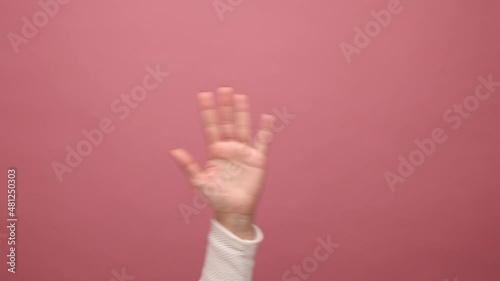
{"x": 232, "y": 179}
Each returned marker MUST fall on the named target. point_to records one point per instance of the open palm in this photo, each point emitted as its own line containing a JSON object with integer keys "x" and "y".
{"x": 232, "y": 178}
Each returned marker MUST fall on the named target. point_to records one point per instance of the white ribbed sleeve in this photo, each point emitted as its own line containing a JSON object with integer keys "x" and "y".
{"x": 228, "y": 257}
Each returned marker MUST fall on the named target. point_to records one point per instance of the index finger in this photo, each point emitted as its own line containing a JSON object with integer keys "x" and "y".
{"x": 208, "y": 115}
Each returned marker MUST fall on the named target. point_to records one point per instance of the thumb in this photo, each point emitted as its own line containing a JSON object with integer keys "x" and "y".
{"x": 186, "y": 162}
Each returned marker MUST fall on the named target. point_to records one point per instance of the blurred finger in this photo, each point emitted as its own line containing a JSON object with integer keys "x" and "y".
{"x": 226, "y": 109}
{"x": 242, "y": 118}
{"x": 208, "y": 115}
{"x": 265, "y": 133}
{"x": 186, "y": 162}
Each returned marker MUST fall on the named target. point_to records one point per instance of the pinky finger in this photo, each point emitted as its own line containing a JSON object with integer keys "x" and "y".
{"x": 265, "y": 133}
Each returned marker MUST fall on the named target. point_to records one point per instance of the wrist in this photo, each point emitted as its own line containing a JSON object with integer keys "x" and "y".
{"x": 240, "y": 225}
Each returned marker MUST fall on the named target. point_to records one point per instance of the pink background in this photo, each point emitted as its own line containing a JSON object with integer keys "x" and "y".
{"x": 120, "y": 207}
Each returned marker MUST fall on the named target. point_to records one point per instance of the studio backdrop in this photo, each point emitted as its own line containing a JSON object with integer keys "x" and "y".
{"x": 384, "y": 164}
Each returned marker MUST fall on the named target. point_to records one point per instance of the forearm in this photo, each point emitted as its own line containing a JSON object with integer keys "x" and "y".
{"x": 240, "y": 225}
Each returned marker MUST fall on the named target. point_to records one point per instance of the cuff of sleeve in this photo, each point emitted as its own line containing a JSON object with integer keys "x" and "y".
{"x": 248, "y": 246}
